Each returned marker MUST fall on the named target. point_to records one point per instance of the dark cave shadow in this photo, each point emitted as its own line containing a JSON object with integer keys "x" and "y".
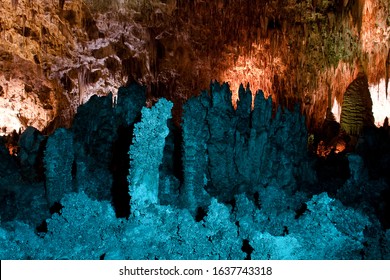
{"x": 119, "y": 167}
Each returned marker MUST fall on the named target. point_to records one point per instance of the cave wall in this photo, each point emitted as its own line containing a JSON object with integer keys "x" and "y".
{"x": 295, "y": 51}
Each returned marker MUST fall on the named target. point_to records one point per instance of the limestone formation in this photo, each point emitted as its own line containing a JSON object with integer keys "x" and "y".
{"x": 58, "y": 163}
{"x": 227, "y": 151}
{"x": 146, "y": 154}
{"x": 97, "y": 127}
{"x": 356, "y": 110}
{"x": 30, "y": 154}
{"x": 55, "y": 55}
{"x": 195, "y": 157}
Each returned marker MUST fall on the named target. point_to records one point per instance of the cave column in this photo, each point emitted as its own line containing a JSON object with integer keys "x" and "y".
{"x": 146, "y": 154}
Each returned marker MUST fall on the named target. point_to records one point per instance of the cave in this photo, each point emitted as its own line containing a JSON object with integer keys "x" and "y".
{"x": 196, "y": 129}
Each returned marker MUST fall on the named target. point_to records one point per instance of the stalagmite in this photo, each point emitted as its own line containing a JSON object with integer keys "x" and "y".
{"x": 356, "y": 112}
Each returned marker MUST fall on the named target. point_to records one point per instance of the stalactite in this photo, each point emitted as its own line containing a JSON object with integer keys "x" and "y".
{"x": 259, "y": 32}
{"x": 82, "y": 81}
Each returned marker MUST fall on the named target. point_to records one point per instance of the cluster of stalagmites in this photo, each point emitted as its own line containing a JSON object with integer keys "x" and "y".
{"x": 120, "y": 151}
{"x": 229, "y": 151}
{"x": 223, "y": 151}
{"x": 227, "y": 182}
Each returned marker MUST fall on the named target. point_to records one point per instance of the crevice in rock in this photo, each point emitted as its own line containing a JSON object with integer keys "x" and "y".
{"x": 247, "y": 248}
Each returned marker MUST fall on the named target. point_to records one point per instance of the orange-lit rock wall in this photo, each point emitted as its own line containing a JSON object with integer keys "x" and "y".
{"x": 297, "y": 51}
{"x": 32, "y": 38}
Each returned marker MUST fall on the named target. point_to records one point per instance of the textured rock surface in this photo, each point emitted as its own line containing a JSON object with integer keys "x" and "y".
{"x": 59, "y": 157}
{"x": 295, "y": 51}
{"x": 356, "y": 110}
{"x": 270, "y": 208}
{"x": 98, "y": 126}
{"x": 30, "y": 155}
{"x": 146, "y": 154}
{"x": 33, "y": 38}
{"x": 356, "y": 167}
{"x": 195, "y": 156}
{"x": 227, "y": 151}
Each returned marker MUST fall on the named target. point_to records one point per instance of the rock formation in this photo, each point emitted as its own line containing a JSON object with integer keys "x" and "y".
{"x": 269, "y": 206}
{"x": 195, "y": 155}
{"x": 226, "y": 174}
{"x": 58, "y": 165}
{"x": 97, "y": 127}
{"x": 71, "y": 50}
{"x": 146, "y": 154}
{"x": 356, "y": 110}
{"x": 31, "y": 145}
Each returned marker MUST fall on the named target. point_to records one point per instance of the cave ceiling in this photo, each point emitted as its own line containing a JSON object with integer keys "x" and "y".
{"x": 54, "y": 55}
